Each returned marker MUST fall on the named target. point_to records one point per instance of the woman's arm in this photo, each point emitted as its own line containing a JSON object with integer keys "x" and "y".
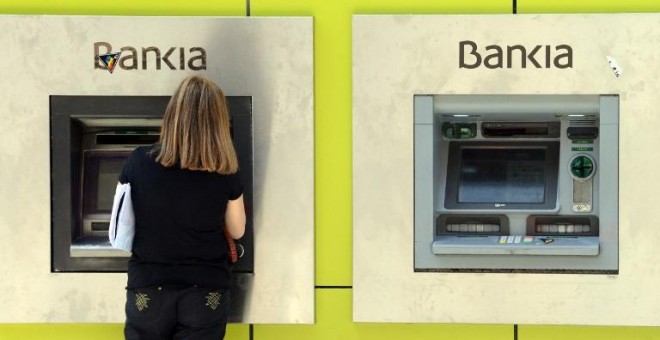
{"x": 235, "y": 218}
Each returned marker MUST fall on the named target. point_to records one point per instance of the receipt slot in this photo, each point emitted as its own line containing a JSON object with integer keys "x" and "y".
{"x": 91, "y": 138}
{"x": 516, "y": 183}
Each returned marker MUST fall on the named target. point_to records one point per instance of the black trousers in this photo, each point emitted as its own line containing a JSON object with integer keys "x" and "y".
{"x": 156, "y": 313}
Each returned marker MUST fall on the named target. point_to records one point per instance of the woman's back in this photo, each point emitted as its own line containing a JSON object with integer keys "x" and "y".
{"x": 185, "y": 190}
{"x": 179, "y": 217}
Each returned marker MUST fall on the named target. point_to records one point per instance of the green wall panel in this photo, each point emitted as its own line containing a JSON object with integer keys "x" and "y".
{"x": 137, "y": 7}
{"x": 238, "y": 332}
{"x": 333, "y": 111}
{"x": 587, "y": 6}
{"x": 334, "y": 321}
{"x": 333, "y": 154}
{"x": 61, "y": 331}
{"x": 432, "y": 7}
{"x": 587, "y": 333}
{"x": 88, "y": 332}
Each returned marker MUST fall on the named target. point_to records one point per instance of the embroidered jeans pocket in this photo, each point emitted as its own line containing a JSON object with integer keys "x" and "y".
{"x": 202, "y": 307}
{"x": 143, "y": 304}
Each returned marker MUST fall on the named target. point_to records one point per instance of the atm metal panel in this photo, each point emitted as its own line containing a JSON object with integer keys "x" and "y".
{"x": 66, "y": 179}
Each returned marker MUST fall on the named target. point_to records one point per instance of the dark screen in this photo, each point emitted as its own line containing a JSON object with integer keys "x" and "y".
{"x": 506, "y": 175}
{"x": 101, "y": 175}
{"x": 109, "y": 170}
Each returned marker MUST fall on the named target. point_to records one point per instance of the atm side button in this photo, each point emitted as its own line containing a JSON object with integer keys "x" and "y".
{"x": 502, "y": 240}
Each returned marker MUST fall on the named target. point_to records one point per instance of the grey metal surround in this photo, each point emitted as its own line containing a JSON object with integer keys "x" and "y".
{"x": 266, "y": 61}
{"x": 76, "y": 248}
{"x": 596, "y": 251}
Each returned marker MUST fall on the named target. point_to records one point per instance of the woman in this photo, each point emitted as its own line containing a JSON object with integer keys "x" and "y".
{"x": 185, "y": 189}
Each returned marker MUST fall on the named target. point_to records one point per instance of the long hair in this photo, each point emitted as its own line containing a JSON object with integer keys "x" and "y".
{"x": 195, "y": 131}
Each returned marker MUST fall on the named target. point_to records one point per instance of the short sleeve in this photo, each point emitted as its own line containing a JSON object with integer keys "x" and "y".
{"x": 235, "y": 186}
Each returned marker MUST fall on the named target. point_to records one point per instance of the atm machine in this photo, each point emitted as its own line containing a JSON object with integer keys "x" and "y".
{"x": 91, "y": 138}
{"x": 516, "y": 183}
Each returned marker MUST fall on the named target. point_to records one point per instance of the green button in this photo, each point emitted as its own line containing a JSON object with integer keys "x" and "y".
{"x": 582, "y": 167}
{"x": 459, "y": 130}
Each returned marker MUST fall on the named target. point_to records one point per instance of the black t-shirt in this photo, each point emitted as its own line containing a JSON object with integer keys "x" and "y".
{"x": 179, "y": 216}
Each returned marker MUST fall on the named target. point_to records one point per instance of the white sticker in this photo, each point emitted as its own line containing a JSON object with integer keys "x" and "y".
{"x": 614, "y": 66}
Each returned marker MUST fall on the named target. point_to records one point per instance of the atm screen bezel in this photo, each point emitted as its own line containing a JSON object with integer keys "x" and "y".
{"x": 551, "y": 182}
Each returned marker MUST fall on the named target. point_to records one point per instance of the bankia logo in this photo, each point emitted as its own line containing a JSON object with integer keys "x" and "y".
{"x": 148, "y": 58}
{"x": 470, "y": 56}
{"x": 109, "y": 60}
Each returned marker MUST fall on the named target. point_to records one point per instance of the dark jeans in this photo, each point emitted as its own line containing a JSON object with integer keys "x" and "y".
{"x": 156, "y": 313}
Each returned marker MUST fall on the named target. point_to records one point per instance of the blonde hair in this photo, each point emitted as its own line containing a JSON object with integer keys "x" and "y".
{"x": 195, "y": 131}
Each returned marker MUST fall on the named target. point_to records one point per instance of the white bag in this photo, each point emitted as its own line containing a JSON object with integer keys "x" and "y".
{"x": 122, "y": 220}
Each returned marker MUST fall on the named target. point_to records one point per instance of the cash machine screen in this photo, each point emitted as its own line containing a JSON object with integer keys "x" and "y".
{"x": 100, "y": 179}
{"x": 509, "y": 175}
{"x": 502, "y": 176}
{"x": 107, "y": 181}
